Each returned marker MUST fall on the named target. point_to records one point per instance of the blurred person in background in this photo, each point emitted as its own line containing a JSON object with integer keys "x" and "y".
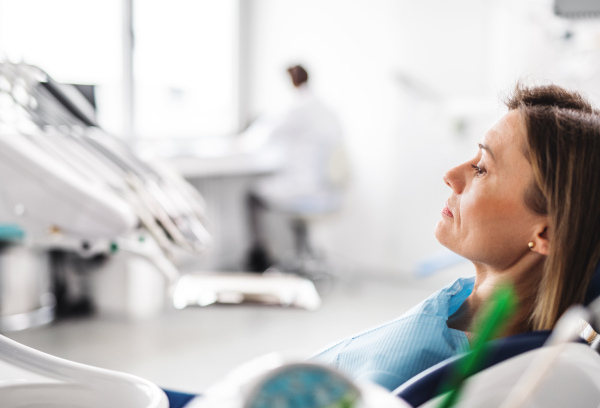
{"x": 309, "y": 136}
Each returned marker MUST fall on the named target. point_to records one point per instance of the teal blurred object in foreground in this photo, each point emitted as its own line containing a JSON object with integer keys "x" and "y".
{"x": 305, "y": 386}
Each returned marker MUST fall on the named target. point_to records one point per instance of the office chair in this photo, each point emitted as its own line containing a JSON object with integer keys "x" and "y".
{"x": 303, "y": 211}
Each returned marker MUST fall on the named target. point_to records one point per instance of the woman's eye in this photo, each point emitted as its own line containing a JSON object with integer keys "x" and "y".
{"x": 478, "y": 170}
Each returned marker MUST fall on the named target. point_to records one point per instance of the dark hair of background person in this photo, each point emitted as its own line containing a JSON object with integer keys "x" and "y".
{"x": 298, "y": 74}
{"x": 563, "y": 146}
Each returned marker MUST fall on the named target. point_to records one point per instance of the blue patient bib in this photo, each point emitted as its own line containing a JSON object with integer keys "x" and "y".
{"x": 394, "y": 352}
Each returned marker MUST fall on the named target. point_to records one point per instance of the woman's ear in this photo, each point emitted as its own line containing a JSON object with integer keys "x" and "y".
{"x": 541, "y": 241}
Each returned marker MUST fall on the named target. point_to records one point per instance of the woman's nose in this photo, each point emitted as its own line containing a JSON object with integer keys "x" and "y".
{"x": 455, "y": 179}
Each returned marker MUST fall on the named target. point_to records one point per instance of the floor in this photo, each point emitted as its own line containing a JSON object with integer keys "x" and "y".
{"x": 191, "y": 349}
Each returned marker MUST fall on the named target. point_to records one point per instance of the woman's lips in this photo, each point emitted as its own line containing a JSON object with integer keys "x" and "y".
{"x": 446, "y": 211}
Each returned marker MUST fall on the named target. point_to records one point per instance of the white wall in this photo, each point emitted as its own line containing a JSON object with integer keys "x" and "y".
{"x": 459, "y": 56}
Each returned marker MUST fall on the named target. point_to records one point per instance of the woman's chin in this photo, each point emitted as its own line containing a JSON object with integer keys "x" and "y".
{"x": 442, "y": 236}
{"x": 440, "y": 233}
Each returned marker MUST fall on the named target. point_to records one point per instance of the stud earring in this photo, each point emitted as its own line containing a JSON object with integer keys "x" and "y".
{"x": 531, "y": 245}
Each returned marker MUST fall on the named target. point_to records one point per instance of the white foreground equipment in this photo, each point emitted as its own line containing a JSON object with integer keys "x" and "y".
{"x": 30, "y": 379}
{"x": 280, "y": 380}
{"x": 573, "y": 380}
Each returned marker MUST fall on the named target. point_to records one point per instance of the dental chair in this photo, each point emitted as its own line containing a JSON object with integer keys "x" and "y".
{"x": 507, "y": 358}
{"x": 429, "y": 384}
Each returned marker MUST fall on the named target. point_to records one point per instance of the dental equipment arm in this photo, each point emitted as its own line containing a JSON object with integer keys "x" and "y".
{"x": 48, "y": 197}
{"x": 60, "y": 120}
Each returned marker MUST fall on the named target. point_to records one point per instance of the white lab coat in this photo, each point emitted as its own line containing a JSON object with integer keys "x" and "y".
{"x": 308, "y": 134}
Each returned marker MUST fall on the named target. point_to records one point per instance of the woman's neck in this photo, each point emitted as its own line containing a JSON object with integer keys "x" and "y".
{"x": 524, "y": 278}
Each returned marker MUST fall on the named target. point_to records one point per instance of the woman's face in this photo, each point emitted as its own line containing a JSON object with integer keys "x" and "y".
{"x": 485, "y": 219}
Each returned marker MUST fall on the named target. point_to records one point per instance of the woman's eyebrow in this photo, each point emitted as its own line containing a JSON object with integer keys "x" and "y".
{"x": 487, "y": 149}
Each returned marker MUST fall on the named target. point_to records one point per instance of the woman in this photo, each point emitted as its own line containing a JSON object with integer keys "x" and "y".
{"x": 524, "y": 210}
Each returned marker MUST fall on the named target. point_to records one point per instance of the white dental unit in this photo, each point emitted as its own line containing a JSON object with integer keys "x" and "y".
{"x": 75, "y": 189}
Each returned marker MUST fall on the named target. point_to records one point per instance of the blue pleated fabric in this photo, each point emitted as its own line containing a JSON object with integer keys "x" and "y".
{"x": 396, "y": 351}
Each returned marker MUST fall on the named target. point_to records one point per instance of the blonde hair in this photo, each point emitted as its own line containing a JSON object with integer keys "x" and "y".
{"x": 563, "y": 146}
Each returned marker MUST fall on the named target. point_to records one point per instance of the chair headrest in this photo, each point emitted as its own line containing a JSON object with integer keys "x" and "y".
{"x": 593, "y": 290}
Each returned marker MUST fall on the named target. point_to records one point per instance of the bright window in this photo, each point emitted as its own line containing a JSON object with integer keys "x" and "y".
{"x": 73, "y": 41}
{"x": 185, "y": 68}
{"x": 184, "y": 59}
